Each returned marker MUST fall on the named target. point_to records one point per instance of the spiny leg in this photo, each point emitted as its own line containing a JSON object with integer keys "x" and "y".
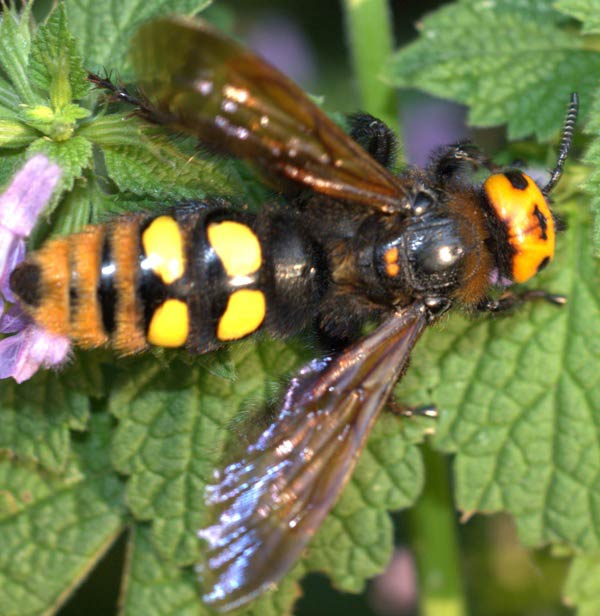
{"x": 513, "y": 299}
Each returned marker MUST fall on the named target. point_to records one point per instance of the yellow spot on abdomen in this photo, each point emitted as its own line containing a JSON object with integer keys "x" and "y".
{"x": 170, "y": 324}
{"x": 244, "y": 314}
{"x": 163, "y": 246}
{"x": 237, "y": 246}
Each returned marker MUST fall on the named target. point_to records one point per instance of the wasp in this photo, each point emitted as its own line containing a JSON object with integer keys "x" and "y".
{"x": 354, "y": 243}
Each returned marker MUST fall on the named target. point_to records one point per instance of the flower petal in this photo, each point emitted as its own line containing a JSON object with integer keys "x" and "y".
{"x": 28, "y": 194}
{"x": 12, "y": 252}
{"x": 30, "y": 347}
{"x": 22, "y": 354}
{"x": 13, "y": 320}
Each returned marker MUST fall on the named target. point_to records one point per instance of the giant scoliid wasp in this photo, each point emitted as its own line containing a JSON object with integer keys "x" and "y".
{"x": 355, "y": 243}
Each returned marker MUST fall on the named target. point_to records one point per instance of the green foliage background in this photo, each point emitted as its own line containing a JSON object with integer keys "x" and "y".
{"x": 110, "y": 445}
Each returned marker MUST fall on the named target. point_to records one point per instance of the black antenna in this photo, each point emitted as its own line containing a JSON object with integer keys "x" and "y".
{"x": 565, "y": 143}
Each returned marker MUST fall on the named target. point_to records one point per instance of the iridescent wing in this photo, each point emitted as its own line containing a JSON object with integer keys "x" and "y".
{"x": 209, "y": 86}
{"x": 266, "y": 507}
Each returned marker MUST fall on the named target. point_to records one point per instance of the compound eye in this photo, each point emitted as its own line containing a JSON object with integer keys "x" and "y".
{"x": 422, "y": 202}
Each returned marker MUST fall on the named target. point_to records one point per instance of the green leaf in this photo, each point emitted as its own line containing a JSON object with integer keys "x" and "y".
{"x": 592, "y": 158}
{"x": 10, "y": 161}
{"x": 582, "y": 589}
{"x": 9, "y": 99}
{"x": 15, "y": 134}
{"x": 355, "y": 542}
{"x": 54, "y": 530}
{"x": 73, "y": 156}
{"x": 36, "y": 417}
{"x": 55, "y": 65}
{"x": 511, "y": 62}
{"x": 520, "y": 400}
{"x": 171, "y": 424}
{"x": 104, "y": 29}
{"x": 74, "y": 211}
{"x": 156, "y": 585}
{"x": 58, "y": 124}
{"x": 15, "y": 43}
{"x": 586, "y": 11}
{"x": 154, "y": 167}
{"x": 84, "y": 374}
{"x": 173, "y": 428}
{"x": 142, "y": 160}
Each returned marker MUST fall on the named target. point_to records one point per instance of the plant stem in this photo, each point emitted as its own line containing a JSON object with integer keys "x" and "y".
{"x": 369, "y": 31}
{"x": 434, "y": 540}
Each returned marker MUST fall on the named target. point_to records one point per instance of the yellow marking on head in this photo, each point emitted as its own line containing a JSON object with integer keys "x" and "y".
{"x": 170, "y": 324}
{"x": 237, "y": 246}
{"x": 528, "y": 220}
{"x": 163, "y": 246}
{"x": 244, "y": 314}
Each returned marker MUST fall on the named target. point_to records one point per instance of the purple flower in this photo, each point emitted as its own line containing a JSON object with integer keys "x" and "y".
{"x": 29, "y": 347}
{"x": 20, "y": 206}
{"x": 22, "y": 354}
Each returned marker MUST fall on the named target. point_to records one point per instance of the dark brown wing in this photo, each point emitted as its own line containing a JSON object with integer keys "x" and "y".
{"x": 208, "y": 85}
{"x": 266, "y": 507}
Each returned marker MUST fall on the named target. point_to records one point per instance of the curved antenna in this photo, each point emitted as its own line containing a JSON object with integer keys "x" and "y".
{"x": 565, "y": 143}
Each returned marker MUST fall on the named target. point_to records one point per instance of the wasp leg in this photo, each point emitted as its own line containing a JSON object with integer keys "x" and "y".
{"x": 376, "y": 137}
{"x": 118, "y": 93}
{"x": 423, "y": 410}
{"x": 453, "y": 160}
{"x": 512, "y": 299}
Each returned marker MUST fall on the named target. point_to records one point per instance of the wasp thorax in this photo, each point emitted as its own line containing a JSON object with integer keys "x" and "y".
{"x": 427, "y": 255}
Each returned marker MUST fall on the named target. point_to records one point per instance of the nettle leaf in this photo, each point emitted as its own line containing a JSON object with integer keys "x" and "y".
{"x": 592, "y": 158}
{"x": 356, "y": 540}
{"x": 520, "y": 400}
{"x": 586, "y": 11}
{"x": 57, "y": 124}
{"x": 15, "y": 43}
{"x": 104, "y": 29}
{"x": 511, "y": 62}
{"x": 74, "y": 211}
{"x": 10, "y": 161}
{"x": 155, "y": 167}
{"x": 15, "y": 134}
{"x": 155, "y": 585}
{"x": 55, "y": 65}
{"x": 144, "y": 161}
{"x": 54, "y": 529}
{"x": 36, "y": 417}
{"x": 172, "y": 424}
{"x": 9, "y": 100}
{"x": 84, "y": 374}
{"x": 174, "y": 427}
{"x": 582, "y": 589}
{"x": 73, "y": 156}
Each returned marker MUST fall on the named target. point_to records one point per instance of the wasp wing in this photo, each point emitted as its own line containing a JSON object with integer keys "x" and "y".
{"x": 267, "y": 506}
{"x": 206, "y": 84}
